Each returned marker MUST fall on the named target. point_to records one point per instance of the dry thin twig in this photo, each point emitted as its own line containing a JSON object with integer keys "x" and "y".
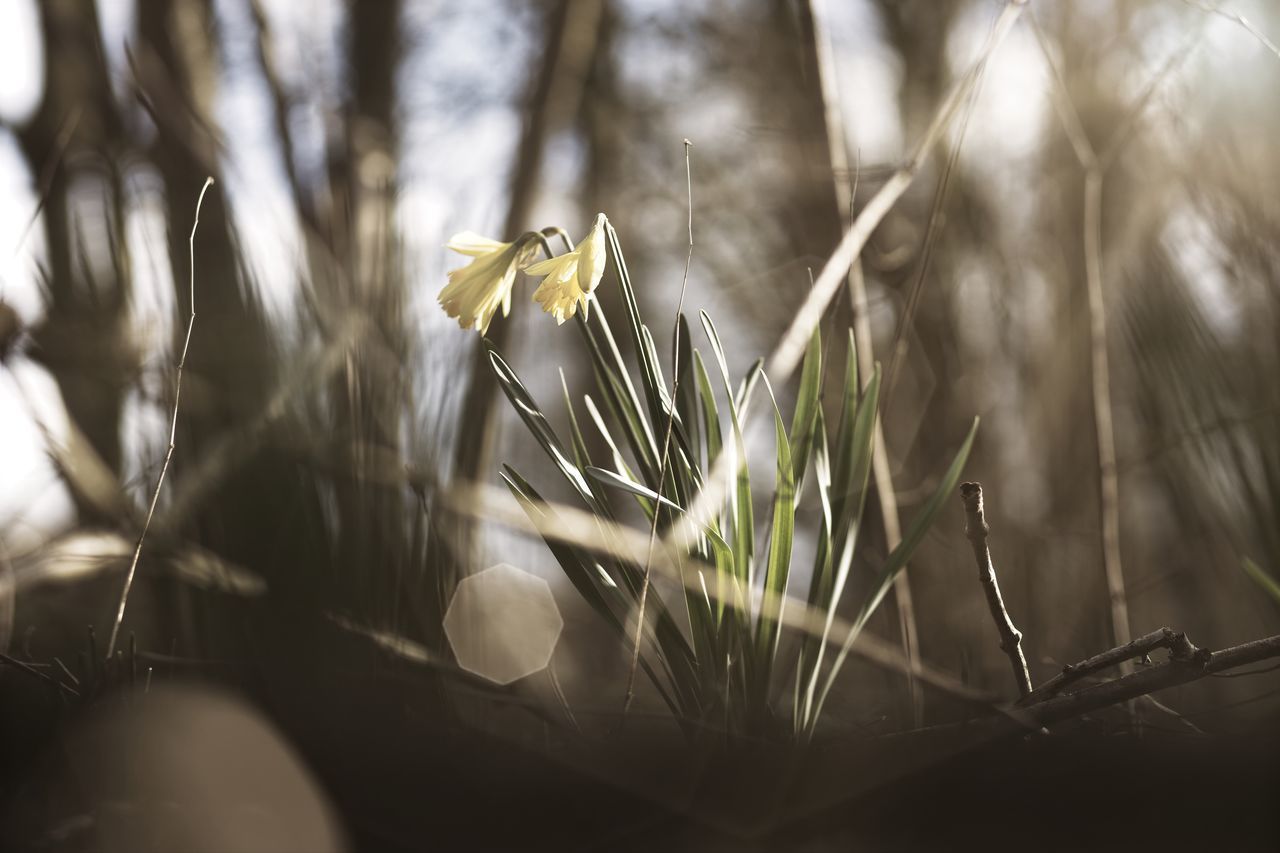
{"x": 1200, "y": 663}
{"x": 975, "y": 527}
{"x": 666, "y": 443}
{"x": 1165, "y": 638}
{"x": 1179, "y": 669}
{"x": 173, "y": 429}
{"x": 35, "y": 673}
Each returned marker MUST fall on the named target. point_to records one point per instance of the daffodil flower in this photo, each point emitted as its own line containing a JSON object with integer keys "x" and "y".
{"x": 475, "y": 291}
{"x": 571, "y": 277}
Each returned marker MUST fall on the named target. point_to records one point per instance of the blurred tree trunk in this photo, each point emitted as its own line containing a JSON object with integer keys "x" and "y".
{"x": 231, "y": 364}
{"x": 370, "y": 396}
{"x": 554, "y": 98}
{"x": 77, "y": 149}
{"x": 228, "y": 366}
{"x": 603, "y": 122}
{"x": 794, "y": 90}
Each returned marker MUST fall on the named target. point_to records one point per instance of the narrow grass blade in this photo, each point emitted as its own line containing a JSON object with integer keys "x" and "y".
{"x": 899, "y": 558}
{"x": 620, "y": 400}
{"x": 802, "y": 423}
{"x": 740, "y": 501}
{"x": 617, "y": 481}
{"x": 578, "y": 566}
{"x": 778, "y": 563}
{"x": 580, "y": 454}
{"x": 650, "y": 373}
{"x": 849, "y": 480}
{"x": 710, "y": 412}
{"x": 687, "y": 395}
{"x": 536, "y": 421}
{"x": 1260, "y": 576}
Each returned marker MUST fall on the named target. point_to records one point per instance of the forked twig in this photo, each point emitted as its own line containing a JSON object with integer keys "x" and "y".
{"x": 173, "y": 430}
{"x": 976, "y": 529}
{"x": 1191, "y": 665}
{"x": 1166, "y": 638}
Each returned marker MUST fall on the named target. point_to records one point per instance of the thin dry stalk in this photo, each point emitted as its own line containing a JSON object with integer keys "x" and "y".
{"x": 1104, "y": 424}
{"x": 666, "y": 443}
{"x": 786, "y": 356}
{"x": 1237, "y": 18}
{"x": 845, "y": 197}
{"x": 1095, "y": 166}
{"x": 173, "y": 430}
{"x": 560, "y": 522}
{"x": 976, "y": 529}
{"x": 564, "y": 523}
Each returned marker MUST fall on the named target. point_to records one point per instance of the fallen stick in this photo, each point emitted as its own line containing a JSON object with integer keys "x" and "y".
{"x": 1200, "y": 663}
{"x": 1164, "y": 638}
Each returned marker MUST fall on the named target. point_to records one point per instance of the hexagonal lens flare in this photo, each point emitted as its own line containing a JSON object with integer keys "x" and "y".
{"x": 503, "y": 623}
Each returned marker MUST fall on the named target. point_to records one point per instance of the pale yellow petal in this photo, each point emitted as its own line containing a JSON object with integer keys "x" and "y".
{"x": 476, "y": 292}
{"x": 570, "y": 278}
{"x": 548, "y": 266}
{"x": 473, "y": 244}
{"x": 591, "y": 263}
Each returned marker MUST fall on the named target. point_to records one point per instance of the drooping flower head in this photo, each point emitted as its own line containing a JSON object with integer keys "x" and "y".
{"x": 475, "y": 292}
{"x": 571, "y": 277}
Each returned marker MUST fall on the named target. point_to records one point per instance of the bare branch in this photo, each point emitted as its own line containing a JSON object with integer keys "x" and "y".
{"x": 975, "y": 527}
{"x": 173, "y": 430}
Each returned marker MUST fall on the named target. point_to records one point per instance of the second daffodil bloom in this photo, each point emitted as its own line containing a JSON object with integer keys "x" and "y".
{"x": 475, "y": 291}
{"x": 571, "y": 277}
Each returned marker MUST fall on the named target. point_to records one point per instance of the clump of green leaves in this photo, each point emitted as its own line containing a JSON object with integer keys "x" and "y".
{"x": 714, "y": 650}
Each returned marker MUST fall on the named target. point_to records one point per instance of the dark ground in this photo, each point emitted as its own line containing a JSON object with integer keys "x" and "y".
{"x": 405, "y": 778}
